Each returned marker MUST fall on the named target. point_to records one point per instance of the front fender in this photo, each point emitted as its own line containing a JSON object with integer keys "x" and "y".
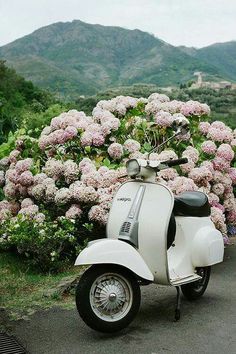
{"x": 114, "y": 252}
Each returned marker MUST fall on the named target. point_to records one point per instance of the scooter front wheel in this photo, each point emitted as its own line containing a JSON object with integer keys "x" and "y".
{"x": 107, "y": 298}
{"x": 195, "y": 290}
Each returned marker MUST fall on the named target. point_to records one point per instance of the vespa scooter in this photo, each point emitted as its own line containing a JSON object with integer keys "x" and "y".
{"x": 152, "y": 237}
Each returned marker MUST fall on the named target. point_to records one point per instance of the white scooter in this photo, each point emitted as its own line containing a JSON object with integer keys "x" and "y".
{"x": 152, "y": 237}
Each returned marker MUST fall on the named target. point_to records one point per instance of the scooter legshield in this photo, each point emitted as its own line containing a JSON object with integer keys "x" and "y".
{"x": 108, "y": 251}
{"x": 143, "y": 211}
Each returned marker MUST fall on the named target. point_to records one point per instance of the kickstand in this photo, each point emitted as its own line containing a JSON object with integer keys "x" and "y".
{"x": 177, "y": 309}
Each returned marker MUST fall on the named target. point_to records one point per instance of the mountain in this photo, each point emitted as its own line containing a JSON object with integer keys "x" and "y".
{"x": 222, "y": 56}
{"x": 76, "y": 58}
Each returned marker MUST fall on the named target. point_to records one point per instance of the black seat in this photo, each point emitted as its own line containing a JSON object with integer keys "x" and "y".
{"x": 192, "y": 204}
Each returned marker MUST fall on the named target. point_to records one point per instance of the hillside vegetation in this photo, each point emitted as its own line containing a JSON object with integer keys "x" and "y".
{"x": 222, "y": 102}
{"x": 76, "y": 58}
{"x": 17, "y": 98}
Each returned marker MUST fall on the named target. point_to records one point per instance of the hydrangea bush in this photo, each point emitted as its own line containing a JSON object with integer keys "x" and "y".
{"x": 73, "y": 170}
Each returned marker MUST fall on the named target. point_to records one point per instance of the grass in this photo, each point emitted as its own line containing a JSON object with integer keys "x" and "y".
{"x": 22, "y": 288}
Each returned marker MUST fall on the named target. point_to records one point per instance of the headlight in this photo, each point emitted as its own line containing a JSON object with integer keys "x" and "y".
{"x": 133, "y": 168}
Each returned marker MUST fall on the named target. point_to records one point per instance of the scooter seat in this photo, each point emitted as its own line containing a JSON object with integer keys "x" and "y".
{"x": 192, "y": 204}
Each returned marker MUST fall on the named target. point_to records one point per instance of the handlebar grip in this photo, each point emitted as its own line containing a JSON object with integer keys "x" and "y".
{"x": 171, "y": 163}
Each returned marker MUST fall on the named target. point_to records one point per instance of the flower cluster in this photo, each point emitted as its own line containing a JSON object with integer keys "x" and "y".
{"x": 83, "y": 157}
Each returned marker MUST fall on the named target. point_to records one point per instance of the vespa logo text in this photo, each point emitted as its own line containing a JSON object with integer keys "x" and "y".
{"x": 124, "y": 199}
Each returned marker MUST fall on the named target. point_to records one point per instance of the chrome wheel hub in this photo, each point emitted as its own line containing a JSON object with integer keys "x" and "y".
{"x": 111, "y": 297}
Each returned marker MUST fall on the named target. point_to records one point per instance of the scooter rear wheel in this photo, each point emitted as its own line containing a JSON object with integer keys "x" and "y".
{"x": 107, "y": 298}
{"x": 195, "y": 290}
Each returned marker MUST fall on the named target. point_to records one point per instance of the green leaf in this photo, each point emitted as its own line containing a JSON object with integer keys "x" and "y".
{"x": 87, "y": 149}
{"x": 106, "y": 162}
{"x": 147, "y": 147}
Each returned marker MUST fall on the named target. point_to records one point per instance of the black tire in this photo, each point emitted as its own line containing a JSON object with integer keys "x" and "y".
{"x": 195, "y": 290}
{"x": 87, "y": 310}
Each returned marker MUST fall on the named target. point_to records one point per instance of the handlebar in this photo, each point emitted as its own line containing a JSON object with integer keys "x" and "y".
{"x": 177, "y": 162}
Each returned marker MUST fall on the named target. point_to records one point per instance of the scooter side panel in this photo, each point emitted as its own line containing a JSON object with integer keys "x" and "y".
{"x": 208, "y": 247}
{"x": 153, "y": 221}
{"x": 108, "y": 251}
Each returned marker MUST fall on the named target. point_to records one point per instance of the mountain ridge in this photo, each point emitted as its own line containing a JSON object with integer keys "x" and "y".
{"x": 77, "y": 58}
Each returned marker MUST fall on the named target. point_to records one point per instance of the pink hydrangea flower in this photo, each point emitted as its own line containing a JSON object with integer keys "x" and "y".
{"x": 167, "y": 155}
{"x": 71, "y": 131}
{"x": 86, "y": 139}
{"x": 218, "y": 189}
{"x": 194, "y": 108}
{"x": 12, "y": 175}
{"x": 225, "y": 151}
{"x": 43, "y": 142}
{"x": 10, "y": 190}
{"x": 163, "y": 119}
{"x": 97, "y": 213}
{"x": 232, "y": 174}
{"x": 39, "y": 177}
{"x": 168, "y": 174}
{"x": 46, "y": 131}
{"x": 209, "y": 147}
{"x": 218, "y": 219}
{"x": 204, "y": 127}
{"x": 14, "y": 207}
{"x": 50, "y": 192}
{"x": 221, "y": 164}
{"x": 229, "y": 203}
{"x": 73, "y": 212}
{"x": 26, "y": 178}
{"x": 39, "y": 217}
{"x": 30, "y": 211}
{"x": 98, "y": 139}
{"x": 63, "y": 196}
{"x": 5, "y": 214}
{"x": 86, "y": 166}
{"x": 220, "y": 135}
{"x": 115, "y": 150}
{"x": 4, "y": 204}
{"x": 56, "y": 123}
{"x": 231, "y": 217}
{"x": 53, "y": 168}
{"x": 187, "y": 167}
{"x": 38, "y": 191}
{"x": 191, "y": 154}
{"x": 182, "y": 184}
{"x": 26, "y": 203}
{"x": 233, "y": 143}
{"x": 132, "y": 145}
{"x": 24, "y": 165}
{"x": 14, "y": 155}
{"x": 92, "y": 179}
{"x": 218, "y": 176}
{"x": 84, "y": 194}
{"x": 200, "y": 175}
{"x": 109, "y": 178}
{"x": 158, "y": 97}
{"x": 213, "y": 198}
{"x": 71, "y": 171}
{"x": 4, "y": 162}
{"x": 218, "y": 125}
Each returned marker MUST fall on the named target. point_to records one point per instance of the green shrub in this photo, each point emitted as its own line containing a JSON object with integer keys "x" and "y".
{"x": 48, "y": 244}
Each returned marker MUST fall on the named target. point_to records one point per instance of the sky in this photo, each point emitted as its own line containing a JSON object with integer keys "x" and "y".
{"x": 196, "y": 23}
